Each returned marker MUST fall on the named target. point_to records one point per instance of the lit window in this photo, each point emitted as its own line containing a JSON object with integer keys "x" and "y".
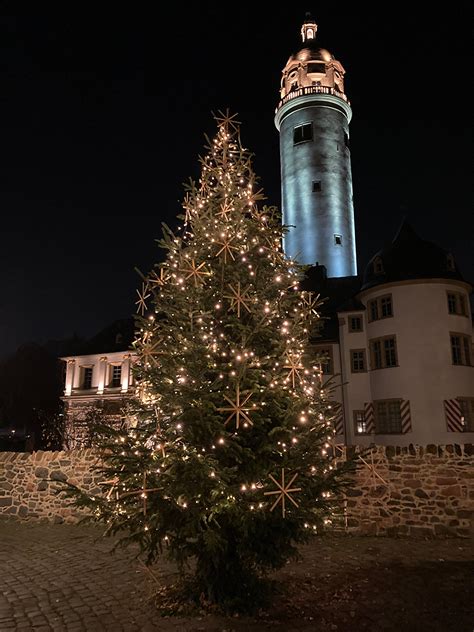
{"x": 461, "y": 349}
{"x": 383, "y": 352}
{"x": 467, "y": 413}
{"x": 303, "y": 133}
{"x": 358, "y": 361}
{"x": 316, "y": 186}
{"x": 355, "y": 324}
{"x": 457, "y": 304}
{"x": 360, "y": 424}
{"x": 388, "y": 419}
{"x": 338, "y": 240}
{"x": 324, "y": 358}
{"x": 116, "y": 376}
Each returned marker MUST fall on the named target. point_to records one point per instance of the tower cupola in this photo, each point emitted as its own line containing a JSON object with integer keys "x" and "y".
{"x": 312, "y": 67}
{"x": 309, "y": 28}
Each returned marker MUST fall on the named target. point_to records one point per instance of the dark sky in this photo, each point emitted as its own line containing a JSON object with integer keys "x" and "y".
{"x": 103, "y": 112}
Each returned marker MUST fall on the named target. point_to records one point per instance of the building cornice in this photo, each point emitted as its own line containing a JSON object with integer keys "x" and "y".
{"x": 438, "y": 281}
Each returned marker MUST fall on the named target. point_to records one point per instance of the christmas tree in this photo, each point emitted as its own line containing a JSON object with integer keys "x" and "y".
{"x": 227, "y": 460}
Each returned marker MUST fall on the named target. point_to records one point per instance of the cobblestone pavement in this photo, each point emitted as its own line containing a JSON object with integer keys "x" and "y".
{"x": 63, "y": 577}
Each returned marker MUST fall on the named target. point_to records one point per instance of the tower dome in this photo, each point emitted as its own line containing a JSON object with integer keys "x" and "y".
{"x": 409, "y": 257}
{"x": 312, "y": 68}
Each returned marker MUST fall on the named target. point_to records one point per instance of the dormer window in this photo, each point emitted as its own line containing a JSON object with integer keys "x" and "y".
{"x": 450, "y": 265}
{"x": 310, "y": 34}
{"x": 378, "y": 266}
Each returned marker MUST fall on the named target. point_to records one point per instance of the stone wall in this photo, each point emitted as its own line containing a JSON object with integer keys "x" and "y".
{"x": 29, "y": 483}
{"x": 413, "y": 491}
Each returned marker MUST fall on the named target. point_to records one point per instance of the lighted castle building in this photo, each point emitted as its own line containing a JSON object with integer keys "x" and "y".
{"x": 398, "y": 340}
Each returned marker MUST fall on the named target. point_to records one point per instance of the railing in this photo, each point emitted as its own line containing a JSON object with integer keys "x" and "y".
{"x": 300, "y": 92}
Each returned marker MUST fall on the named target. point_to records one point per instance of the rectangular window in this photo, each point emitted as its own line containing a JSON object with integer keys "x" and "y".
{"x": 355, "y": 324}
{"x": 303, "y": 133}
{"x": 467, "y": 413}
{"x": 390, "y": 352}
{"x": 461, "y": 349}
{"x": 388, "y": 419}
{"x": 457, "y": 304}
{"x": 324, "y": 357}
{"x": 358, "y": 361}
{"x": 316, "y": 186}
{"x": 338, "y": 240}
{"x": 116, "y": 376}
{"x": 380, "y": 307}
{"x": 360, "y": 425}
{"x": 383, "y": 352}
{"x": 376, "y": 349}
{"x": 373, "y": 310}
{"x": 386, "y": 306}
{"x": 87, "y": 378}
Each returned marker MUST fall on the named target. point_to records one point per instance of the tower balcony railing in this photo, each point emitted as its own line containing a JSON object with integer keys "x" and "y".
{"x": 299, "y": 92}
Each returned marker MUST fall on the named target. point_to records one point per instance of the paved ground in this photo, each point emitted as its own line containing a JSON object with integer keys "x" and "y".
{"x": 60, "y": 577}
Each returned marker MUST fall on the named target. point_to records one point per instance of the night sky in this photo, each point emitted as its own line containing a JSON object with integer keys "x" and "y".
{"x": 103, "y": 115}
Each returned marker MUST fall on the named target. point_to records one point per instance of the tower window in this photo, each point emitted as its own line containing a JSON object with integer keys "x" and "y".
{"x": 317, "y": 68}
{"x": 316, "y": 186}
{"x": 338, "y": 240}
{"x": 346, "y": 140}
{"x": 303, "y": 133}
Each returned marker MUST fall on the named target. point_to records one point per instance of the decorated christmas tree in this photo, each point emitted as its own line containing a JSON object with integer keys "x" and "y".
{"x": 226, "y": 462}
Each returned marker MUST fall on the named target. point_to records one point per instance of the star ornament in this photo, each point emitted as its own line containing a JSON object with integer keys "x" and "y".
{"x": 310, "y": 302}
{"x": 196, "y": 272}
{"x": 294, "y": 366}
{"x": 226, "y": 247}
{"x": 142, "y": 296}
{"x": 283, "y": 492}
{"x": 226, "y": 210}
{"x": 237, "y": 409}
{"x": 238, "y": 298}
{"x": 159, "y": 280}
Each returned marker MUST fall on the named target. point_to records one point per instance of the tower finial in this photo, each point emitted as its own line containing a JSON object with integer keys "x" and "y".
{"x": 309, "y": 28}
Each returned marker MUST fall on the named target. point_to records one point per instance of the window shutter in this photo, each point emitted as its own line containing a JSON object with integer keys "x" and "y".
{"x": 369, "y": 417}
{"x": 405, "y": 416}
{"x": 338, "y": 418}
{"x": 452, "y": 411}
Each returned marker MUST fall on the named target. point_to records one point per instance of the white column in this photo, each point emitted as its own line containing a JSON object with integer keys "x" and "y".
{"x": 102, "y": 375}
{"x": 70, "y": 369}
{"x": 125, "y": 373}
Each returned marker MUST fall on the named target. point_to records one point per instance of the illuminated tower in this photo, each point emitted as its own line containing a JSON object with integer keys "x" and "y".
{"x": 313, "y": 118}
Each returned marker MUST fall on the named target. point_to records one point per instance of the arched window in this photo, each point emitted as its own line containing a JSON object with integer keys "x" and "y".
{"x": 450, "y": 265}
{"x": 309, "y": 34}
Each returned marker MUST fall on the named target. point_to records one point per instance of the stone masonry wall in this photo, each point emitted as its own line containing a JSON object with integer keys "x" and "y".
{"x": 412, "y": 491}
{"x": 29, "y": 482}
